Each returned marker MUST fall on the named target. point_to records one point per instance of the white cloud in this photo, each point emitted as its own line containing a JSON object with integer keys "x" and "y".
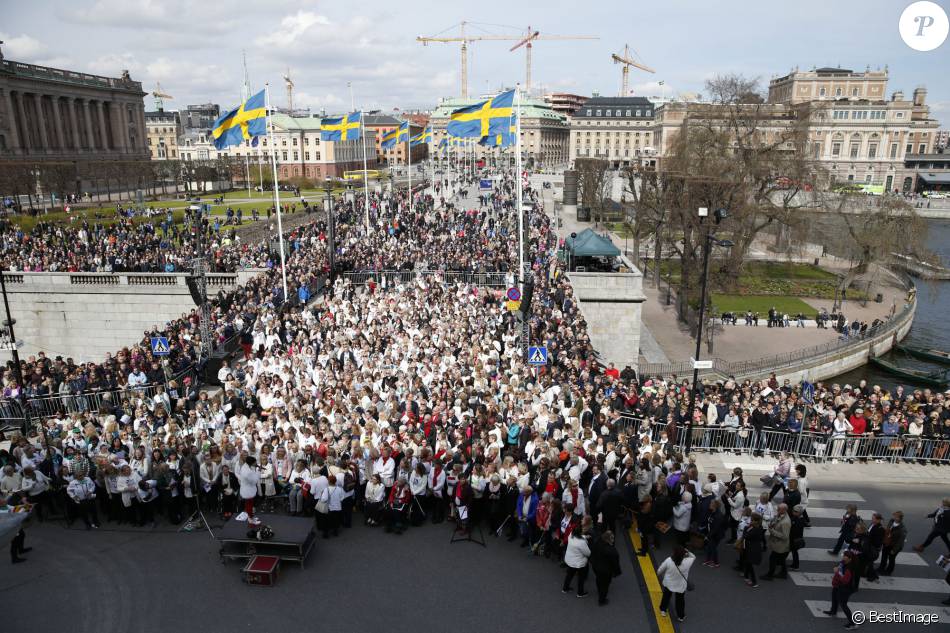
{"x": 22, "y": 47}
{"x": 652, "y": 89}
{"x": 292, "y": 29}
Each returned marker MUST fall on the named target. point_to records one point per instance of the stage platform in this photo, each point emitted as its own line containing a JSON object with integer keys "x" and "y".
{"x": 294, "y": 537}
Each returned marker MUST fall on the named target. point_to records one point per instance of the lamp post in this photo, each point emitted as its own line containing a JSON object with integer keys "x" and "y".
{"x": 708, "y": 242}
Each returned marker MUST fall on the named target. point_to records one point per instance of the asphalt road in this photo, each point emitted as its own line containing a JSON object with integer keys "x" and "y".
{"x": 142, "y": 580}
{"x": 721, "y": 602}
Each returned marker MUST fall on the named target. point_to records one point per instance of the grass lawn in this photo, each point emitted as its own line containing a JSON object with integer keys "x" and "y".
{"x": 786, "y": 270}
{"x": 761, "y": 304}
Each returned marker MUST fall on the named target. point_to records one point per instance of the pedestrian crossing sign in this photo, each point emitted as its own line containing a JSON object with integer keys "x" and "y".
{"x": 537, "y": 356}
{"x": 160, "y": 345}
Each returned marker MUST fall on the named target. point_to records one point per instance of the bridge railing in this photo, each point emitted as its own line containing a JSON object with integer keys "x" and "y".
{"x": 490, "y": 279}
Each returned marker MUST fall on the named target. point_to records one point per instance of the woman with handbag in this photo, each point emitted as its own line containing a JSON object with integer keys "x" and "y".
{"x": 674, "y": 574}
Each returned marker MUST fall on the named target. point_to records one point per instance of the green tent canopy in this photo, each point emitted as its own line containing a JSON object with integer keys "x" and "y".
{"x": 590, "y": 244}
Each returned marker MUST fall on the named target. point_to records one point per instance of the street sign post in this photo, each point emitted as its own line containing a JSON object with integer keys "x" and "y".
{"x": 160, "y": 346}
{"x": 702, "y": 364}
{"x": 513, "y": 294}
{"x": 537, "y": 355}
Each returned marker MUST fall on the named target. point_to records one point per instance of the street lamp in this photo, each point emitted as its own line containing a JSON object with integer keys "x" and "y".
{"x": 710, "y": 241}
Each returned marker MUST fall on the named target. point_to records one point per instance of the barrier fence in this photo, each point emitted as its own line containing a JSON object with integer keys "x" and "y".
{"x": 807, "y": 445}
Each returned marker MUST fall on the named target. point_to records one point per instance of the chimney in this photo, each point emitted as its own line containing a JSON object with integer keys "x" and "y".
{"x": 920, "y": 95}
{"x": 897, "y": 96}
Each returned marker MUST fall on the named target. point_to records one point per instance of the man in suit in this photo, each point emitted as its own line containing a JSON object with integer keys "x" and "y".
{"x": 596, "y": 487}
{"x": 610, "y": 506}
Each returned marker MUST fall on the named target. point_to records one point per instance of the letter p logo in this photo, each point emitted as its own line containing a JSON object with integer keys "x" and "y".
{"x": 923, "y": 26}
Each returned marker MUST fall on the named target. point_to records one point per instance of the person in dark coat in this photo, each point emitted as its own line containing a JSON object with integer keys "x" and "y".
{"x": 895, "y": 535}
{"x": 610, "y": 505}
{"x": 796, "y": 536}
{"x": 605, "y": 561}
{"x": 753, "y": 544}
{"x": 715, "y": 530}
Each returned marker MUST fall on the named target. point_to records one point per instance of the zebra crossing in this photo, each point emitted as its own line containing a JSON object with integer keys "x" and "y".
{"x": 917, "y": 587}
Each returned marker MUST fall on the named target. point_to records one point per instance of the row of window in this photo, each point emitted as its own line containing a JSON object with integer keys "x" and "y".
{"x": 839, "y": 92}
{"x": 626, "y": 134}
{"x": 856, "y": 115}
{"x": 629, "y": 112}
{"x": 855, "y": 149}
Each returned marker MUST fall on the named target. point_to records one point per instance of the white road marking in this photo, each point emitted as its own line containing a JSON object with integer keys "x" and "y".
{"x": 836, "y": 513}
{"x": 823, "y": 531}
{"x": 818, "y": 607}
{"x": 749, "y": 466}
{"x": 889, "y": 583}
{"x": 818, "y": 554}
{"x": 830, "y": 495}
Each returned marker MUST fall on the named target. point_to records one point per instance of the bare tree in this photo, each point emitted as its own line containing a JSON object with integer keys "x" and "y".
{"x": 593, "y": 182}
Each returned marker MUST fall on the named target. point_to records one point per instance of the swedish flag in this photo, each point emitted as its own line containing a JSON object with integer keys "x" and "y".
{"x": 243, "y": 123}
{"x": 484, "y": 118}
{"x": 341, "y": 128}
{"x": 423, "y": 137}
{"x": 399, "y": 134}
{"x": 501, "y": 140}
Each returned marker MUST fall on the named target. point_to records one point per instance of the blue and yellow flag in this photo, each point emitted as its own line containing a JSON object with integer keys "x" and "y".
{"x": 399, "y": 134}
{"x": 243, "y": 123}
{"x": 425, "y": 136}
{"x": 341, "y": 128}
{"x": 501, "y": 140}
{"x": 484, "y": 118}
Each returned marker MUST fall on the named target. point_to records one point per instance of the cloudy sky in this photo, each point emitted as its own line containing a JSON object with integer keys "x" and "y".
{"x": 193, "y": 47}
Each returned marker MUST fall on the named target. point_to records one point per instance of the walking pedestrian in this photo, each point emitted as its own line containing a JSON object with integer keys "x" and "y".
{"x": 841, "y": 589}
{"x": 674, "y": 575}
{"x": 779, "y": 533}
{"x": 605, "y": 561}
{"x": 576, "y": 557}
{"x": 895, "y": 535}
{"x": 941, "y": 517}
{"x": 848, "y": 524}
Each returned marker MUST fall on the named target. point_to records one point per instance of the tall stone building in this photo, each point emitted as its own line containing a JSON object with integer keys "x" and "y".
{"x": 163, "y": 130}
{"x": 48, "y": 114}
{"x": 615, "y": 129}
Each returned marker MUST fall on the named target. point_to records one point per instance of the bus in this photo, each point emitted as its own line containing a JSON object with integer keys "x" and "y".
{"x": 372, "y": 174}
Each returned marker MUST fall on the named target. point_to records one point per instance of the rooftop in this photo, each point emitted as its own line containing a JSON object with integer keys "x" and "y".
{"x": 530, "y": 108}
{"x": 44, "y": 73}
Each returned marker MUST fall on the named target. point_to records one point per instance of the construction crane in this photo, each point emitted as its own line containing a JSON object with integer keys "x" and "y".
{"x": 160, "y": 96}
{"x": 536, "y": 35}
{"x": 290, "y": 91}
{"x": 627, "y": 63}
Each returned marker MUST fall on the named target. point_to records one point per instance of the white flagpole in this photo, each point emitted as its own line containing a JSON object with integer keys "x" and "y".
{"x": 273, "y": 161}
{"x": 247, "y": 173}
{"x": 365, "y": 171}
{"x": 409, "y": 159}
{"x": 518, "y": 187}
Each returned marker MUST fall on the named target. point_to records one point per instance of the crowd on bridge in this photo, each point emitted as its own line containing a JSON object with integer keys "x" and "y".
{"x": 412, "y": 402}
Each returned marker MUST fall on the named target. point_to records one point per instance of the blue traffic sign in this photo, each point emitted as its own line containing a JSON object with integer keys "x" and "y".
{"x": 160, "y": 345}
{"x": 537, "y": 356}
{"x": 485, "y": 184}
{"x": 513, "y": 294}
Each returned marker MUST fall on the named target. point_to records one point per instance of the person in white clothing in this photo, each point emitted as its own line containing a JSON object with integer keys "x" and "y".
{"x": 248, "y": 478}
{"x": 674, "y": 574}
{"x": 575, "y": 557}
{"x": 333, "y": 497}
{"x": 82, "y": 493}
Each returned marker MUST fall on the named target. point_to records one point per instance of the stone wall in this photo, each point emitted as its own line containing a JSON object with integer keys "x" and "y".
{"x": 611, "y": 304}
{"x": 85, "y": 315}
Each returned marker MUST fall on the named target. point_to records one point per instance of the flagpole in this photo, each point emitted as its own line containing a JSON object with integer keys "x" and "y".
{"x": 273, "y": 162}
{"x": 247, "y": 173}
{"x": 518, "y": 192}
{"x": 409, "y": 159}
{"x": 365, "y": 170}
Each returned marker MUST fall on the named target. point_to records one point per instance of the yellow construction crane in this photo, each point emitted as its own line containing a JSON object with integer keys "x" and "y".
{"x": 536, "y": 35}
{"x": 523, "y": 40}
{"x": 627, "y": 63}
{"x": 160, "y": 96}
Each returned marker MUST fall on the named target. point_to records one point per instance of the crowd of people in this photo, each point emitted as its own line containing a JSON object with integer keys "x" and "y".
{"x": 412, "y": 402}
{"x": 159, "y": 244}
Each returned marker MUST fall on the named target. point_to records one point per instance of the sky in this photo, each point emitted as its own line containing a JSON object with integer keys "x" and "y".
{"x": 194, "y": 47}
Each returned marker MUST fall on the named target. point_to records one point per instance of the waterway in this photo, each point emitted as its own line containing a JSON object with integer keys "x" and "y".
{"x": 931, "y": 327}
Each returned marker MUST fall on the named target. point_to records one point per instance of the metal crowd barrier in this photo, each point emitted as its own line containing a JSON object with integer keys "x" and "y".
{"x": 808, "y": 445}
